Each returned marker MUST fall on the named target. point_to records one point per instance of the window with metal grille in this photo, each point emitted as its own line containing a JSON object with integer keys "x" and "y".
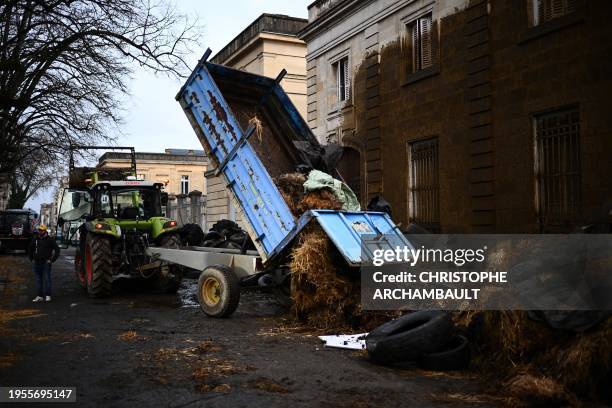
{"x": 424, "y": 186}
{"x": 557, "y": 167}
{"x": 420, "y": 31}
{"x": 343, "y": 80}
{"x": 184, "y": 184}
{"x": 546, "y": 10}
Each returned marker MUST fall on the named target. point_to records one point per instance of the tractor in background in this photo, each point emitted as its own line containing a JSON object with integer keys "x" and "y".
{"x": 112, "y": 217}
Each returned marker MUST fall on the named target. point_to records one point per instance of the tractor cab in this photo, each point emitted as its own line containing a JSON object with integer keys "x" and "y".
{"x": 128, "y": 200}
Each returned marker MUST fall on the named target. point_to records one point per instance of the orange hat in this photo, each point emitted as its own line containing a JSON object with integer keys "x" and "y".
{"x": 42, "y": 227}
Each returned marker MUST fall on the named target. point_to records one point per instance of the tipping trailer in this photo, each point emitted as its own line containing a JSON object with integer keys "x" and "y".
{"x": 267, "y": 218}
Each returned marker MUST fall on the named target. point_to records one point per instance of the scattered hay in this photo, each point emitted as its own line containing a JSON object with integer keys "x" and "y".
{"x": 536, "y": 357}
{"x": 468, "y": 399}
{"x": 542, "y": 391}
{"x": 131, "y": 336}
{"x": 266, "y": 384}
{"x": 8, "y": 360}
{"x": 256, "y": 123}
{"x": 321, "y": 297}
{"x": 198, "y": 363}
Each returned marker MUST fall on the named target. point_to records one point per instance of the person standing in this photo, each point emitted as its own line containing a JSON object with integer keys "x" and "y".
{"x": 43, "y": 252}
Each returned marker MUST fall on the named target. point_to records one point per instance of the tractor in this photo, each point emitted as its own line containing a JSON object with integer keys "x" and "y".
{"x": 112, "y": 217}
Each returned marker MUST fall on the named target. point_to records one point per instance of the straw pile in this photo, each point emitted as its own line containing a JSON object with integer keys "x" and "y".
{"x": 536, "y": 363}
{"x": 291, "y": 187}
{"x": 321, "y": 296}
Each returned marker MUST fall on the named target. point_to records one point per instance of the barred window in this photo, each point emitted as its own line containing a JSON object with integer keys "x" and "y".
{"x": 424, "y": 186}
{"x": 557, "y": 167}
{"x": 546, "y": 10}
{"x": 420, "y": 31}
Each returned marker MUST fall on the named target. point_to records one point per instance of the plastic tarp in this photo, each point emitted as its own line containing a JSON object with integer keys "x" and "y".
{"x": 317, "y": 180}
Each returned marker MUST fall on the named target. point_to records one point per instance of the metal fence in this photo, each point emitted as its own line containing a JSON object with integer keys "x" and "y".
{"x": 187, "y": 209}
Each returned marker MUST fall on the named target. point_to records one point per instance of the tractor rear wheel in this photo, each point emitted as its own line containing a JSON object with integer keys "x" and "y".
{"x": 98, "y": 266}
{"x": 168, "y": 279}
{"x": 79, "y": 270}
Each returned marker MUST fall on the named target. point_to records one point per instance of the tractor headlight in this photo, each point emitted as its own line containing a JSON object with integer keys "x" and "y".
{"x": 170, "y": 224}
{"x": 102, "y": 227}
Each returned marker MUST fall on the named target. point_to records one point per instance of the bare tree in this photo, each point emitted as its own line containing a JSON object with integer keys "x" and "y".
{"x": 31, "y": 177}
{"x": 64, "y": 66}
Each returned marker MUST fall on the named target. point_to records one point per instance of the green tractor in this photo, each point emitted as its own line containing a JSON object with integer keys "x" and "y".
{"x": 112, "y": 218}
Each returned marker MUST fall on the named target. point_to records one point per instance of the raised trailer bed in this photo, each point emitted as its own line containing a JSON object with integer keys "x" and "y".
{"x": 267, "y": 218}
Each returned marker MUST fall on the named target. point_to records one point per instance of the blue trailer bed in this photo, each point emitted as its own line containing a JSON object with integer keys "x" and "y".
{"x": 269, "y": 222}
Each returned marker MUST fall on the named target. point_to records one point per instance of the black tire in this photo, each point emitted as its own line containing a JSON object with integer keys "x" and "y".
{"x": 218, "y": 291}
{"x": 98, "y": 266}
{"x": 79, "y": 270}
{"x": 192, "y": 235}
{"x": 409, "y": 337}
{"x": 169, "y": 277}
{"x": 455, "y": 355}
{"x": 282, "y": 290}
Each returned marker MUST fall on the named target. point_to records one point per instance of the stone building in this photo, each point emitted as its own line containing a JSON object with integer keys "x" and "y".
{"x": 183, "y": 170}
{"x": 5, "y": 191}
{"x": 48, "y": 214}
{"x": 468, "y": 115}
{"x": 265, "y": 47}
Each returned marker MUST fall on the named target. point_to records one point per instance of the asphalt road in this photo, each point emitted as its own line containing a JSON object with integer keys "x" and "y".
{"x": 139, "y": 349}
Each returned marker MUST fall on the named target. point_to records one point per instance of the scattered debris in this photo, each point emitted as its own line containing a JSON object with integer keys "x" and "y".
{"x": 537, "y": 390}
{"x": 199, "y": 363}
{"x": 510, "y": 344}
{"x": 132, "y": 336}
{"x": 345, "y": 341}
{"x": 8, "y": 360}
{"x": 266, "y": 384}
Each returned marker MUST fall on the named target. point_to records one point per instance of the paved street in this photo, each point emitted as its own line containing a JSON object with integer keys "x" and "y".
{"x": 138, "y": 349}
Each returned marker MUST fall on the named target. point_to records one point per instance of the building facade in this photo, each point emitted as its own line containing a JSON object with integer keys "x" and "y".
{"x": 469, "y": 116}
{"x": 5, "y": 191}
{"x": 181, "y": 170}
{"x": 265, "y": 47}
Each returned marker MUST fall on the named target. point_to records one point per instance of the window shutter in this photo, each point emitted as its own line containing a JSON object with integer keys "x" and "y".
{"x": 338, "y": 84}
{"x": 426, "y": 54}
{"x": 347, "y": 80}
{"x": 557, "y": 9}
{"x": 545, "y": 14}
{"x": 416, "y": 47}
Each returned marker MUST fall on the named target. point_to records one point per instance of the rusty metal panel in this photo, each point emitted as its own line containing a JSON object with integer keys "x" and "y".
{"x": 266, "y": 214}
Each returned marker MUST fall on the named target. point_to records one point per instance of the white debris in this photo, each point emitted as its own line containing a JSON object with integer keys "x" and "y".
{"x": 345, "y": 341}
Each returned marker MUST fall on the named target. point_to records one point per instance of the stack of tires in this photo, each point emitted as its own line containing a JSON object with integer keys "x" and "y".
{"x": 425, "y": 337}
{"x": 223, "y": 234}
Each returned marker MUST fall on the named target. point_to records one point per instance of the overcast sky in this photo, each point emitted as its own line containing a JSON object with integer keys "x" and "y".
{"x": 153, "y": 119}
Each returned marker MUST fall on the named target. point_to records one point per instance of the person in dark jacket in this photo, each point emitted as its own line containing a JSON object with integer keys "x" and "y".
{"x": 43, "y": 252}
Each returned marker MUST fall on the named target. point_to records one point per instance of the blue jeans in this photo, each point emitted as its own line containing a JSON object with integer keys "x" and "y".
{"x": 43, "y": 272}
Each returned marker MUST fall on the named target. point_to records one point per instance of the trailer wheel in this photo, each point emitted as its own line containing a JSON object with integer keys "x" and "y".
{"x": 218, "y": 291}
{"x": 98, "y": 266}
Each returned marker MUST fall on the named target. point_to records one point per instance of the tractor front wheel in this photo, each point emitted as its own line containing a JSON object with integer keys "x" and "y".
{"x": 168, "y": 279}
{"x": 98, "y": 266}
